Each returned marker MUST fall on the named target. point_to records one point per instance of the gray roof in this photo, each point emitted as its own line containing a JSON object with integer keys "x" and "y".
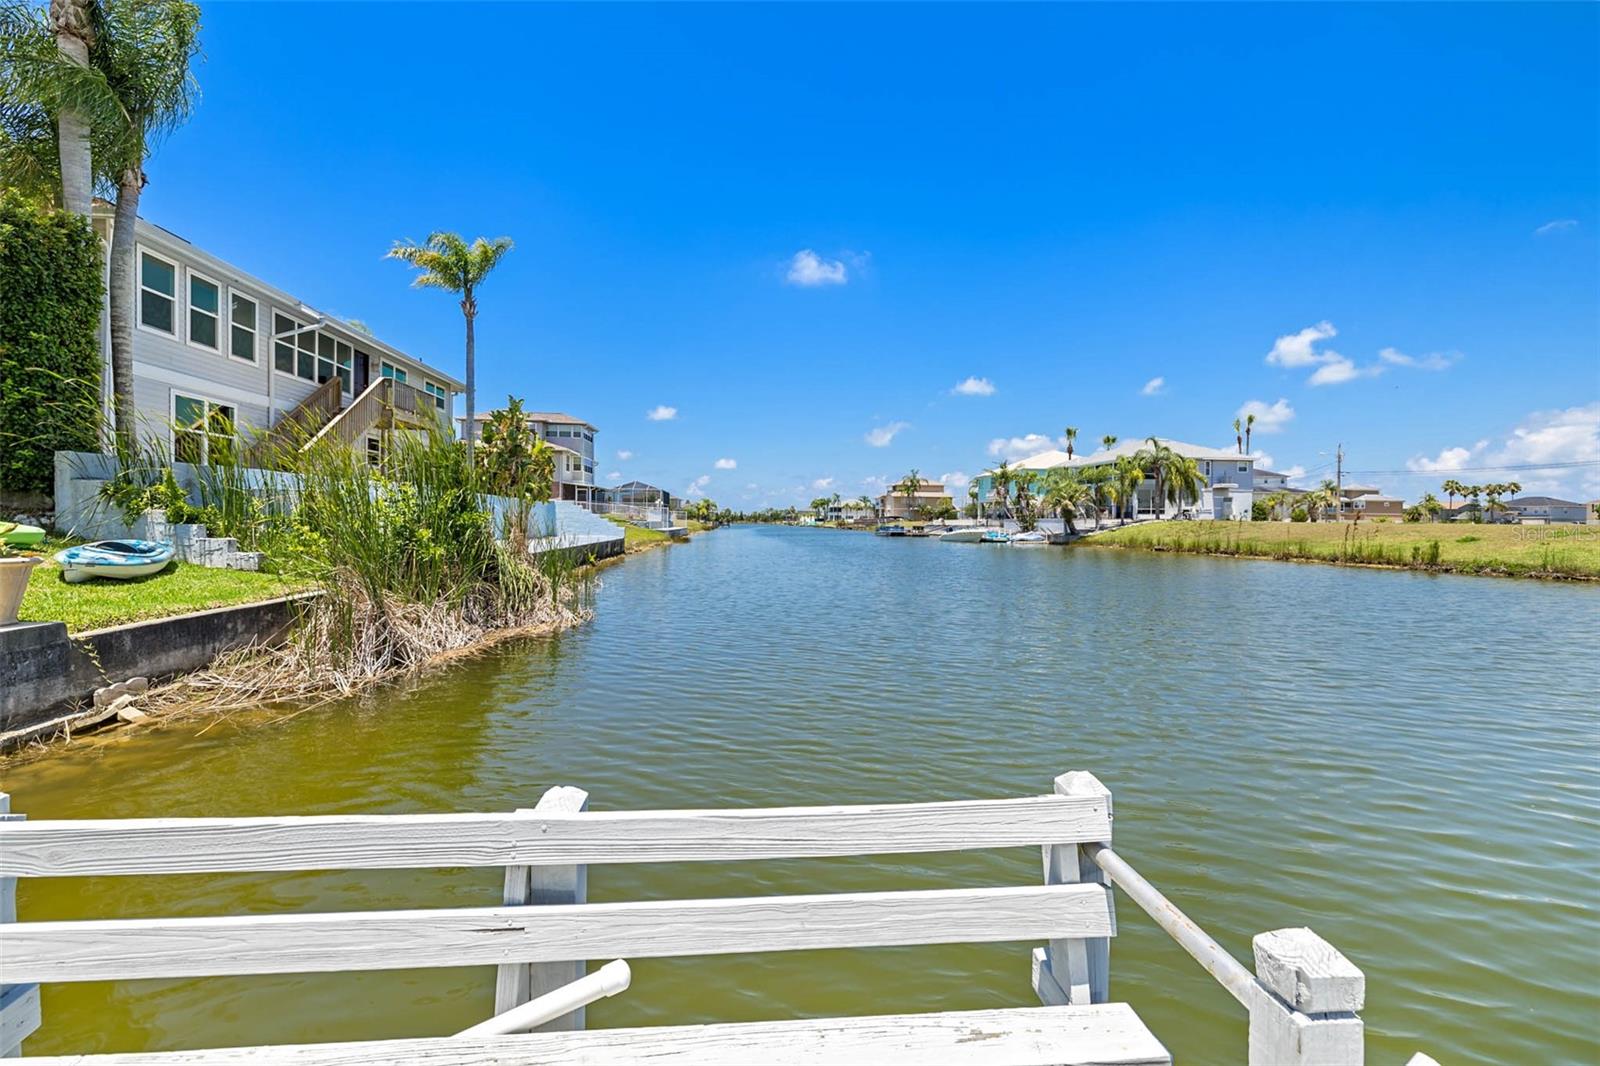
{"x": 1541, "y": 501}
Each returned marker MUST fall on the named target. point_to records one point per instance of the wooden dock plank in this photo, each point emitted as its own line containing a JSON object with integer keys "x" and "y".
{"x": 388, "y": 940}
{"x": 348, "y": 842}
{"x": 1105, "y": 1034}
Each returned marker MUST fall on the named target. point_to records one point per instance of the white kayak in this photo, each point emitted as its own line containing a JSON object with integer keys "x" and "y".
{"x": 113, "y": 558}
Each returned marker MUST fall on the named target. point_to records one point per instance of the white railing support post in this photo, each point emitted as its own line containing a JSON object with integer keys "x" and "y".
{"x": 1074, "y": 971}
{"x": 1305, "y": 1010}
{"x": 518, "y": 982}
{"x": 19, "y": 1004}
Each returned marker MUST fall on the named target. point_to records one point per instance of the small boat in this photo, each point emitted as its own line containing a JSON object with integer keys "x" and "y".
{"x": 890, "y": 531}
{"x": 1028, "y": 539}
{"x": 113, "y": 558}
{"x": 961, "y": 536}
{"x": 17, "y": 535}
{"x": 995, "y": 536}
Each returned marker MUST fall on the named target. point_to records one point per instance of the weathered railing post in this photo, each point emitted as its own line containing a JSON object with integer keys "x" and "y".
{"x": 1074, "y": 971}
{"x": 1305, "y": 1009}
{"x": 19, "y": 1004}
{"x": 518, "y": 982}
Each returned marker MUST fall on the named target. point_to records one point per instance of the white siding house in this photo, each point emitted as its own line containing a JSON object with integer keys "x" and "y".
{"x": 572, "y": 439}
{"x": 1229, "y": 478}
{"x": 214, "y": 346}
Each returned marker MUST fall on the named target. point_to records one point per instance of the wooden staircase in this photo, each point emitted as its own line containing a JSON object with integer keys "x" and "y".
{"x": 385, "y": 404}
{"x": 302, "y": 422}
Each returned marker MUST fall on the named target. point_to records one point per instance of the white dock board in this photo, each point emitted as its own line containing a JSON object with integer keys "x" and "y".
{"x": 348, "y": 842}
{"x": 1109, "y": 1034}
{"x": 388, "y": 940}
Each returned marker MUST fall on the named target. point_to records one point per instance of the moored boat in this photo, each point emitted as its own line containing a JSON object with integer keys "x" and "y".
{"x": 961, "y": 536}
{"x": 120, "y": 559}
{"x": 891, "y": 531}
{"x": 995, "y": 536}
{"x": 1030, "y": 538}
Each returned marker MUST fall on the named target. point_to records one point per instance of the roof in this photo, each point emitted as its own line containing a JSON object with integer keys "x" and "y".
{"x": 1051, "y": 459}
{"x": 541, "y": 416}
{"x": 1270, "y": 473}
{"x": 1541, "y": 501}
{"x": 225, "y": 271}
{"x": 636, "y": 486}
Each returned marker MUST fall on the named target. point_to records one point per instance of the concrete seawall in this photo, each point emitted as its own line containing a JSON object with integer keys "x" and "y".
{"x": 46, "y": 674}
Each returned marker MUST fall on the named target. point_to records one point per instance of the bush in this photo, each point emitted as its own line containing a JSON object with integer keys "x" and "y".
{"x": 1299, "y": 515}
{"x": 50, "y": 296}
{"x": 1260, "y": 511}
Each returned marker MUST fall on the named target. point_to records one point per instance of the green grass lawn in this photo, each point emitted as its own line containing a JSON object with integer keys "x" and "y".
{"x": 637, "y": 538}
{"x": 1554, "y": 550}
{"x": 178, "y": 589}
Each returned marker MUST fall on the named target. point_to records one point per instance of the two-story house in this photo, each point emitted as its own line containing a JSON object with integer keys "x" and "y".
{"x": 572, "y": 439}
{"x": 1227, "y": 492}
{"x": 221, "y": 356}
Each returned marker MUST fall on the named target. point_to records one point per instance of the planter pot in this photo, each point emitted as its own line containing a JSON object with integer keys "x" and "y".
{"x": 14, "y": 573}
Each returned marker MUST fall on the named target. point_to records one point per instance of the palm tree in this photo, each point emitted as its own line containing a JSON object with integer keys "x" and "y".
{"x": 1238, "y": 437}
{"x": 1108, "y": 442}
{"x": 1453, "y": 488}
{"x": 1472, "y": 492}
{"x": 1249, "y": 424}
{"x": 1184, "y": 481}
{"x": 1129, "y": 475}
{"x": 105, "y": 80}
{"x": 445, "y": 261}
{"x": 1098, "y": 478}
{"x": 1067, "y": 495}
{"x": 1072, "y": 436}
{"x": 1430, "y": 506}
{"x": 1159, "y": 460}
{"x": 908, "y": 488}
{"x": 972, "y": 498}
{"x": 1000, "y": 485}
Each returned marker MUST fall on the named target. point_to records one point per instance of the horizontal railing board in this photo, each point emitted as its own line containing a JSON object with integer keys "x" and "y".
{"x": 416, "y": 841}
{"x": 1108, "y": 1034}
{"x": 390, "y": 940}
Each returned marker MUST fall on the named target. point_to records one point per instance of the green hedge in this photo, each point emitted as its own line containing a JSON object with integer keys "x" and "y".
{"x": 50, "y": 296}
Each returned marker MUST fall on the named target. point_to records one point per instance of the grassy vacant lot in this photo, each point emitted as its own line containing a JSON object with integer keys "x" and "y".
{"x": 178, "y": 589}
{"x": 637, "y": 538}
{"x": 1523, "y": 551}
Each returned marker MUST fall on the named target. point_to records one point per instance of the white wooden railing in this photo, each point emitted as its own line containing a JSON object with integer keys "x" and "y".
{"x": 1301, "y": 999}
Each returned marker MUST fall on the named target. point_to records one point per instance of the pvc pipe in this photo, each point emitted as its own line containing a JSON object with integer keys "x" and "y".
{"x": 608, "y": 980}
{"x": 1228, "y": 971}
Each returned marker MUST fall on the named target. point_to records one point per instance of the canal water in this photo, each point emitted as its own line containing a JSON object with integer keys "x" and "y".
{"x": 1404, "y": 762}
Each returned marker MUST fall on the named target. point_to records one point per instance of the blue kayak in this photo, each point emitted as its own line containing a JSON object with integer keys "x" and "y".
{"x": 113, "y": 558}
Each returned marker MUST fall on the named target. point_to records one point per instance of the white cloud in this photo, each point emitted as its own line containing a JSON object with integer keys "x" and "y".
{"x": 614, "y": 475}
{"x": 1555, "y": 226}
{"x": 1299, "y": 349}
{"x": 809, "y": 270}
{"x": 1294, "y": 473}
{"x": 974, "y": 387}
{"x": 822, "y": 483}
{"x": 1153, "y": 386}
{"x": 882, "y": 436}
{"x": 726, "y": 464}
{"x": 1263, "y": 460}
{"x": 1569, "y": 435}
{"x": 876, "y": 481}
{"x": 1338, "y": 370}
{"x": 624, "y": 455}
{"x": 1018, "y": 447}
{"x": 955, "y": 479}
{"x": 1270, "y": 418}
{"x": 697, "y": 487}
{"x": 1431, "y": 361}
{"x": 661, "y": 413}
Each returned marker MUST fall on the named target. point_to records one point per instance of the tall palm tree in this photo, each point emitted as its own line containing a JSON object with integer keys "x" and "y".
{"x": 1068, "y": 495}
{"x": 972, "y": 497}
{"x": 1453, "y": 488}
{"x": 1430, "y": 506}
{"x": 1130, "y": 475}
{"x": 1238, "y": 437}
{"x": 445, "y": 261}
{"x": 74, "y": 34}
{"x": 1158, "y": 460}
{"x": 1098, "y": 478}
{"x": 1108, "y": 442}
{"x": 1249, "y": 424}
{"x": 1072, "y": 436}
{"x": 1184, "y": 481}
{"x": 1000, "y": 486}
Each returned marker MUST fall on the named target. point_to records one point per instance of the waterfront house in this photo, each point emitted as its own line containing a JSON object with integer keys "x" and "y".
{"x": 1540, "y": 509}
{"x": 1366, "y": 501}
{"x": 927, "y": 497}
{"x": 572, "y": 439}
{"x": 637, "y": 494}
{"x": 848, "y": 511}
{"x": 1228, "y": 492}
{"x": 219, "y": 354}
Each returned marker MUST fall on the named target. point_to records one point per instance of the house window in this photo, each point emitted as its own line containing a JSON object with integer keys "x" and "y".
{"x": 205, "y": 312}
{"x": 389, "y": 370}
{"x": 437, "y": 392}
{"x": 242, "y": 326}
{"x": 158, "y": 292}
{"x": 333, "y": 360}
{"x": 1244, "y": 468}
{"x": 202, "y": 431}
{"x": 301, "y": 350}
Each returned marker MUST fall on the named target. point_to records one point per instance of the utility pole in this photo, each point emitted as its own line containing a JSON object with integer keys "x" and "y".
{"x": 1338, "y": 475}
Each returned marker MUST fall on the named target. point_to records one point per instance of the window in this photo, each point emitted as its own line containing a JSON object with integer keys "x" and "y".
{"x": 202, "y": 431}
{"x": 242, "y": 326}
{"x": 392, "y": 371}
{"x": 158, "y": 293}
{"x": 440, "y": 397}
{"x": 205, "y": 311}
{"x": 1244, "y": 468}
{"x": 333, "y": 360}
{"x": 302, "y": 350}
{"x": 374, "y": 451}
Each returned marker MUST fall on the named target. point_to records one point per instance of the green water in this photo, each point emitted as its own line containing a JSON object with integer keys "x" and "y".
{"x": 1406, "y": 763}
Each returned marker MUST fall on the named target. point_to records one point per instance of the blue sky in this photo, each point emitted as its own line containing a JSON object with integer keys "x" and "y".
{"x": 797, "y": 225}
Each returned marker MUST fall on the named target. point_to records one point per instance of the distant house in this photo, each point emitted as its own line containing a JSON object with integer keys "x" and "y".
{"x": 1548, "y": 509}
{"x": 846, "y": 511}
{"x": 1229, "y": 478}
{"x": 638, "y": 494}
{"x": 572, "y": 439}
{"x": 1270, "y": 481}
{"x": 220, "y": 355}
{"x": 1366, "y": 501}
{"x": 927, "y": 496}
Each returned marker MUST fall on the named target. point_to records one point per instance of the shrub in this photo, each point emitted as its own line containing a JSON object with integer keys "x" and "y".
{"x": 1299, "y": 515}
{"x": 50, "y": 295}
